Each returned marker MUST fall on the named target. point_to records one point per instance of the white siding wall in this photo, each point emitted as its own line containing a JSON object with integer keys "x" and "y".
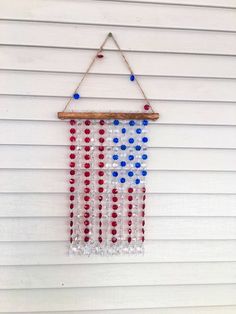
{"x": 184, "y": 53}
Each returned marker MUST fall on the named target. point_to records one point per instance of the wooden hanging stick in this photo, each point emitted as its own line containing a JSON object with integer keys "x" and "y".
{"x": 109, "y": 115}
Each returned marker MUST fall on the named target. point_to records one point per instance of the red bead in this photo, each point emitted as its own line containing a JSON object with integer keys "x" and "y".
{"x": 72, "y": 164}
{"x": 143, "y": 230}
{"x": 86, "y": 215}
{"x": 101, "y": 140}
{"x": 102, "y": 122}
{"x": 100, "y": 182}
{"x": 101, "y": 132}
{"x": 86, "y": 222}
{"x": 72, "y": 181}
{"x": 87, "y": 174}
{"x": 86, "y": 157}
{"x": 100, "y": 207}
{"x": 87, "y": 131}
{"x": 100, "y": 198}
{"x": 142, "y": 239}
{"x": 130, "y": 190}
{"x": 100, "y": 56}
{"x": 86, "y": 190}
{"x": 71, "y": 206}
{"x": 114, "y": 239}
{"x": 72, "y": 156}
{"x": 86, "y": 182}
{"x": 71, "y": 240}
{"x": 100, "y": 239}
{"x": 87, "y": 139}
{"x": 87, "y": 122}
{"x": 71, "y": 223}
{"x": 144, "y": 197}
{"x": 101, "y": 164}
{"x": 87, "y": 148}
{"x": 72, "y": 197}
{"x": 100, "y": 224}
{"x": 72, "y": 172}
{"x": 72, "y": 147}
{"x": 71, "y": 231}
{"x": 101, "y": 148}
{"x": 114, "y": 206}
{"x": 100, "y": 190}
{"x": 86, "y": 165}
{"x": 129, "y": 214}
{"x": 114, "y": 215}
{"x": 71, "y": 215}
{"x": 129, "y": 239}
{"x": 129, "y": 223}
{"x": 86, "y": 198}
{"x": 72, "y": 131}
{"x": 86, "y": 206}
{"x": 86, "y": 239}
{"x": 72, "y": 122}
{"x": 101, "y": 173}
{"x": 72, "y": 189}
{"x": 100, "y": 231}
{"x": 100, "y": 215}
{"x": 72, "y": 139}
{"x": 143, "y": 223}
{"x": 129, "y": 231}
{"x": 146, "y": 107}
{"x": 130, "y": 198}
{"x": 86, "y": 230}
{"x": 114, "y": 223}
{"x": 130, "y": 206}
{"x": 143, "y": 206}
{"x": 114, "y": 199}
{"x": 143, "y": 190}
{"x": 113, "y": 231}
{"x": 114, "y": 191}
{"x": 143, "y": 214}
{"x": 101, "y": 156}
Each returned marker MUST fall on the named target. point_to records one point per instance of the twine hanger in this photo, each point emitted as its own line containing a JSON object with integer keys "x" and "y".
{"x": 108, "y": 115}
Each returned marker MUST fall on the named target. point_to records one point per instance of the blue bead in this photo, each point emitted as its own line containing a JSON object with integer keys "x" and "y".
{"x": 145, "y": 122}
{"x": 123, "y": 147}
{"x": 144, "y": 156}
{"x": 116, "y": 122}
{"x": 123, "y": 130}
{"x": 76, "y": 96}
{"x": 137, "y": 181}
{"x": 132, "y": 77}
{"x": 115, "y": 157}
{"x": 130, "y": 173}
{"x": 145, "y": 139}
{"x": 131, "y": 140}
{"x": 132, "y": 123}
{"x": 137, "y": 165}
{"x": 123, "y": 164}
{"x": 115, "y": 173}
{"x": 122, "y": 180}
{"x": 138, "y": 147}
{"x": 131, "y": 157}
{"x": 115, "y": 140}
{"x": 144, "y": 173}
{"x": 139, "y": 131}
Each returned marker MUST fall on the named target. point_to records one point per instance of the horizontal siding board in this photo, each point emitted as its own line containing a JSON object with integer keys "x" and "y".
{"x": 157, "y": 64}
{"x": 51, "y": 133}
{"x": 118, "y": 13}
{"x": 167, "y": 251}
{"x": 175, "y": 112}
{"x": 61, "y": 84}
{"x": 56, "y": 229}
{"x": 145, "y": 274}
{"x": 56, "y": 205}
{"x": 56, "y": 157}
{"x": 116, "y": 298}
{"x": 55, "y": 181}
{"x": 90, "y": 37}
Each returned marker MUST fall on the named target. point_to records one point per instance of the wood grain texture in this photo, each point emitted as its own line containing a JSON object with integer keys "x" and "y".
{"x": 108, "y": 115}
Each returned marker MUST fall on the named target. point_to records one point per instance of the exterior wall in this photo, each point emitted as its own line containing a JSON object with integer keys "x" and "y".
{"x": 184, "y": 54}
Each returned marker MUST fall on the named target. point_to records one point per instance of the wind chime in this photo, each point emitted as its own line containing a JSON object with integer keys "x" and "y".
{"x": 108, "y": 154}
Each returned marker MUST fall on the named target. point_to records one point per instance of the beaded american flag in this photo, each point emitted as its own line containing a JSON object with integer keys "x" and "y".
{"x": 107, "y": 174}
